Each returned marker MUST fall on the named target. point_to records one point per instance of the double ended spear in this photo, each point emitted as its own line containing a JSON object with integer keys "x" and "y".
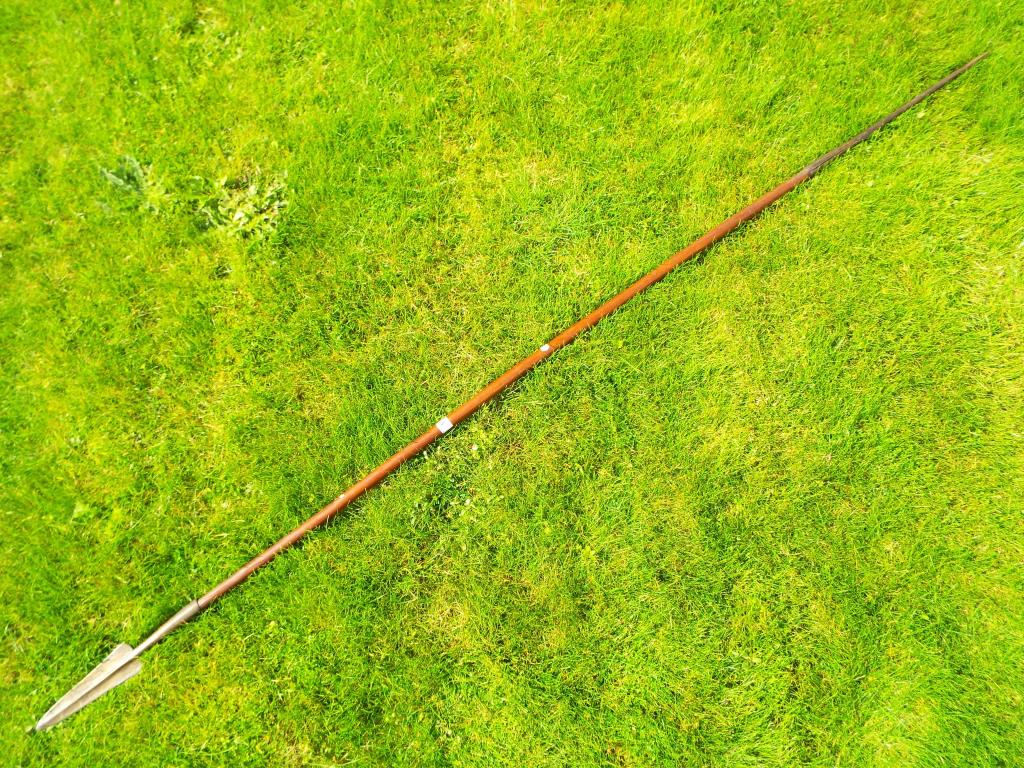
{"x": 123, "y": 662}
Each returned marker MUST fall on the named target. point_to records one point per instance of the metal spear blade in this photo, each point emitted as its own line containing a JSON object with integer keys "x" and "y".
{"x": 120, "y": 665}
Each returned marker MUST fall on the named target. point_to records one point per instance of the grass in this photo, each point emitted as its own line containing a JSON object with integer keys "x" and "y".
{"x": 767, "y": 514}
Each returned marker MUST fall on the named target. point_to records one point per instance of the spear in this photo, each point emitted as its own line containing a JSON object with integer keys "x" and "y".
{"x": 123, "y": 662}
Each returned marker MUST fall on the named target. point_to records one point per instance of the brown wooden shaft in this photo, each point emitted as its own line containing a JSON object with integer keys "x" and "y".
{"x": 497, "y": 386}
{"x": 371, "y": 480}
{"x": 566, "y": 337}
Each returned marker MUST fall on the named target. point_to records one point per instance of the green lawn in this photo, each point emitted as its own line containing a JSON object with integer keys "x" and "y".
{"x": 771, "y": 513}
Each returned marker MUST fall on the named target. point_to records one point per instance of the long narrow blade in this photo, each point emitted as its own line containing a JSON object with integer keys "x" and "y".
{"x": 119, "y": 666}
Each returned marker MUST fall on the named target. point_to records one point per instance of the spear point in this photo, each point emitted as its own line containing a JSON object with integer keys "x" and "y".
{"x": 121, "y": 664}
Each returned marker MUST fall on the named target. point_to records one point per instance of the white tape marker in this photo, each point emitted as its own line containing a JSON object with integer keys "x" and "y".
{"x": 444, "y": 425}
{"x": 545, "y": 347}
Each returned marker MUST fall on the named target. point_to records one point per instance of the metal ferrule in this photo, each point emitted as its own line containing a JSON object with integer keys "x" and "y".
{"x": 168, "y": 626}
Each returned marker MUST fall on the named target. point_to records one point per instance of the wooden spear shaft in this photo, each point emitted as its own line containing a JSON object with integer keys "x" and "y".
{"x": 123, "y": 662}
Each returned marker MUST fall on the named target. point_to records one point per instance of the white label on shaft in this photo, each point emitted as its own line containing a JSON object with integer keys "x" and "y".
{"x": 545, "y": 347}
{"x": 444, "y": 425}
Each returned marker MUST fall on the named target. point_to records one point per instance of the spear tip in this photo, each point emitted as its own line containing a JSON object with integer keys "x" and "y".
{"x": 121, "y": 664}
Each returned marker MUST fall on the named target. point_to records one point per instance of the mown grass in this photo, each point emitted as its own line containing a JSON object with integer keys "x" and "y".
{"x": 768, "y": 514}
